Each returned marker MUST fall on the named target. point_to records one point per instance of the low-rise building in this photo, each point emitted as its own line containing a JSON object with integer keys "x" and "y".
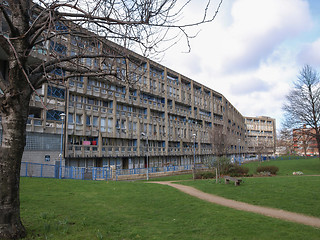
{"x": 304, "y": 142}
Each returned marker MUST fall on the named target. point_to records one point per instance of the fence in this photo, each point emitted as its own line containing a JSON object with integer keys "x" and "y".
{"x": 101, "y": 173}
{"x": 55, "y": 171}
{"x": 95, "y": 173}
{"x": 106, "y": 173}
{"x": 38, "y": 170}
{"x": 133, "y": 171}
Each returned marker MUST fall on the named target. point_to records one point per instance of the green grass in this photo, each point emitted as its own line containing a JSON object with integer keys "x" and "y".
{"x": 70, "y": 209}
{"x": 309, "y": 166}
{"x": 173, "y": 178}
{"x": 292, "y": 193}
{"x": 295, "y": 193}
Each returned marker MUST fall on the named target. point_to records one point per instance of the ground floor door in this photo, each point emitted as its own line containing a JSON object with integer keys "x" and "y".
{"x": 99, "y": 162}
{"x": 125, "y": 163}
{"x": 145, "y": 162}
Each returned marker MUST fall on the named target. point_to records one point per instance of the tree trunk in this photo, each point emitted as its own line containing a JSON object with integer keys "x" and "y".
{"x": 13, "y": 142}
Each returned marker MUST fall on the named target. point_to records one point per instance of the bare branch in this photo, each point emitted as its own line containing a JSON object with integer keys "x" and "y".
{"x": 22, "y": 69}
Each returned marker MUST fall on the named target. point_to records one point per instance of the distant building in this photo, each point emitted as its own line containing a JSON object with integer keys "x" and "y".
{"x": 304, "y": 143}
{"x": 261, "y": 135}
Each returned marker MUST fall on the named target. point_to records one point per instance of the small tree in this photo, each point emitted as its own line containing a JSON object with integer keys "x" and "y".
{"x": 221, "y": 146}
{"x": 220, "y": 141}
{"x": 261, "y": 147}
{"x": 285, "y": 141}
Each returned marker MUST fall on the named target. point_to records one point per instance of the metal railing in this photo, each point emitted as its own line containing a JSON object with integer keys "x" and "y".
{"x": 133, "y": 171}
{"x": 92, "y": 173}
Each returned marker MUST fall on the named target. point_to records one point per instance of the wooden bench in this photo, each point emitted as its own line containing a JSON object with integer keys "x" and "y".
{"x": 236, "y": 181}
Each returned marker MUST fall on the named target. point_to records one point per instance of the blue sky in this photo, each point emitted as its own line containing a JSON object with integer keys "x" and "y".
{"x": 252, "y": 52}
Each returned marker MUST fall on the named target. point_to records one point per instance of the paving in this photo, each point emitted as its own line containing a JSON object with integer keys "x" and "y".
{"x": 270, "y": 212}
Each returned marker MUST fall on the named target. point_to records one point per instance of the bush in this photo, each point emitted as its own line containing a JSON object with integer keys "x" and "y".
{"x": 237, "y": 171}
{"x": 205, "y": 175}
{"x": 271, "y": 169}
{"x": 224, "y": 163}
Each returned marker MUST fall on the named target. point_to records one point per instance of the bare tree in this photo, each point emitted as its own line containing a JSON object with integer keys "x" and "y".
{"x": 34, "y": 50}
{"x": 285, "y": 141}
{"x": 261, "y": 147}
{"x": 302, "y": 137}
{"x": 302, "y": 107}
{"x": 221, "y": 142}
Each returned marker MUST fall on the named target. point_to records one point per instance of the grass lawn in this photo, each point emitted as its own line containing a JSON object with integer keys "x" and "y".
{"x": 309, "y": 166}
{"x": 295, "y": 193}
{"x": 285, "y": 191}
{"x": 71, "y": 209}
{"x": 173, "y": 178}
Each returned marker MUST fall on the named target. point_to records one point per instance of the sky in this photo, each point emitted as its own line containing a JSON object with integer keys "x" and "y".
{"x": 252, "y": 52}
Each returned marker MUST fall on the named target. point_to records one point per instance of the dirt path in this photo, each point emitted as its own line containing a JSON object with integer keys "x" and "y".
{"x": 271, "y": 212}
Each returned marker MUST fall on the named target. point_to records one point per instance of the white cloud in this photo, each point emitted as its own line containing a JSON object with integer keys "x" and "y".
{"x": 250, "y": 86}
{"x": 249, "y": 53}
{"x": 257, "y": 28}
{"x": 309, "y": 54}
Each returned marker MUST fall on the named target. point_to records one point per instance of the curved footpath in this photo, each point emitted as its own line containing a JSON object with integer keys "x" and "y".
{"x": 271, "y": 212}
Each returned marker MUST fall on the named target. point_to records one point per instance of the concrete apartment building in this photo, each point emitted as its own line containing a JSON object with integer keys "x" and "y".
{"x": 148, "y": 110}
{"x": 261, "y": 135}
{"x": 108, "y": 122}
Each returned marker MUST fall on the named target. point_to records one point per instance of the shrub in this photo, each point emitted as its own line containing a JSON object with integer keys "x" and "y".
{"x": 271, "y": 169}
{"x": 237, "y": 171}
{"x": 224, "y": 163}
{"x": 205, "y": 175}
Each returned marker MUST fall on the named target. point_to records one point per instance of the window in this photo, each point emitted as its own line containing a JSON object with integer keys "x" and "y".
{"x": 103, "y": 125}
{"x": 117, "y": 124}
{"x": 123, "y": 124}
{"x": 88, "y": 120}
{"x": 95, "y": 121}
{"x": 70, "y": 118}
{"x": 58, "y": 48}
{"x": 78, "y": 119}
{"x": 59, "y": 72}
{"x": 56, "y": 92}
{"x": 110, "y": 125}
{"x": 61, "y": 27}
{"x": 54, "y": 115}
{"x": 91, "y": 101}
{"x": 88, "y": 62}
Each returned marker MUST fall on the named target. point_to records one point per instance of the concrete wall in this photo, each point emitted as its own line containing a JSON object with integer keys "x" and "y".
{"x": 40, "y": 157}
